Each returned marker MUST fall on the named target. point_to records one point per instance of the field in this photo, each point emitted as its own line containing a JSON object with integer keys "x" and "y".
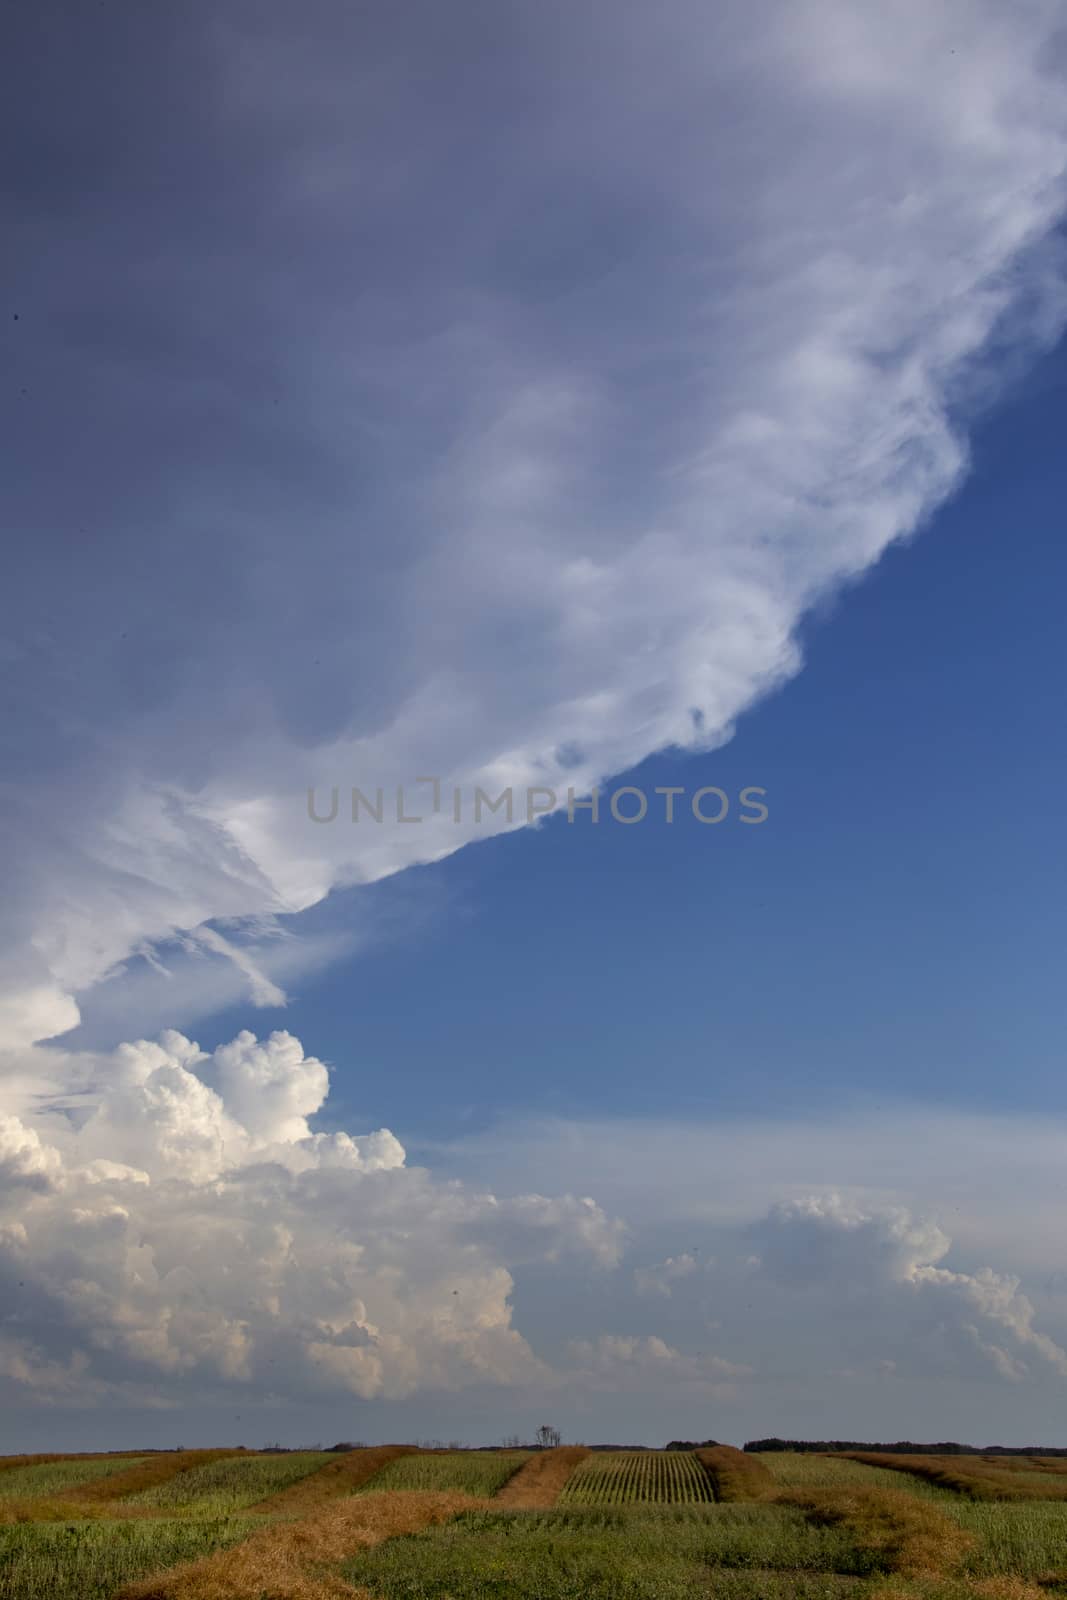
{"x": 399, "y": 1523}
{"x": 56, "y": 1477}
{"x": 637, "y": 1477}
{"x": 222, "y": 1487}
{"x": 601, "y": 1554}
{"x": 93, "y": 1560}
{"x": 470, "y": 1471}
{"x": 791, "y": 1471}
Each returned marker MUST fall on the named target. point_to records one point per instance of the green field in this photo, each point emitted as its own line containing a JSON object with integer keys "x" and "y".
{"x": 638, "y": 1477}
{"x": 613, "y": 1554}
{"x": 471, "y": 1471}
{"x": 90, "y": 1560}
{"x": 52, "y": 1477}
{"x": 802, "y": 1470}
{"x": 221, "y": 1487}
{"x": 629, "y": 1525}
{"x": 1028, "y": 1540}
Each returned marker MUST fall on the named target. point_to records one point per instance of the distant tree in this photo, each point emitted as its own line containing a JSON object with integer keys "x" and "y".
{"x": 548, "y": 1438}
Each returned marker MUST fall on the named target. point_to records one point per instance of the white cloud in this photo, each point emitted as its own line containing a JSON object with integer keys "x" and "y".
{"x": 563, "y": 529}
{"x": 673, "y": 1173}
{"x": 187, "y": 1232}
{"x": 821, "y": 1237}
{"x": 890, "y": 1259}
{"x": 867, "y": 1236}
{"x": 658, "y": 1279}
{"x": 24, "y": 1160}
{"x": 194, "y": 1232}
{"x": 622, "y": 1362}
{"x": 520, "y": 520}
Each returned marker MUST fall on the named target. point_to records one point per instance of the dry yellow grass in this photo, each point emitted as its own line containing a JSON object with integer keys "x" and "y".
{"x": 1056, "y": 1465}
{"x": 999, "y": 1588}
{"x": 7, "y": 1462}
{"x": 969, "y": 1475}
{"x": 91, "y": 1502}
{"x": 911, "y": 1536}
{"x": 53, "y": 1510}
{"x": 292, "y": 1560}
{"x": 735, "y": 1474}
{"x": 343, "y": 1476}
{"x": 537, "y": 1484}
{"x": 160, "y": 1469}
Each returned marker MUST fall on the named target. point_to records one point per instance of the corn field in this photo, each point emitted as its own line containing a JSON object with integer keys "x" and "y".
{"x": 637, "y": 1477}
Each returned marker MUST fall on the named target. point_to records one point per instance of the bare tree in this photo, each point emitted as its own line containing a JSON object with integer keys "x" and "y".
{"x": 548, "y": 1438}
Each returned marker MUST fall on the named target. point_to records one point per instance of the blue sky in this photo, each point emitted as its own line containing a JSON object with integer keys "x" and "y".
{"x": 565, "y": 397}
{"x": 894, "y": 930}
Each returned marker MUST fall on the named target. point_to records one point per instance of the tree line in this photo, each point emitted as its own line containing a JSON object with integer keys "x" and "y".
{"x": 902, "y": 1447}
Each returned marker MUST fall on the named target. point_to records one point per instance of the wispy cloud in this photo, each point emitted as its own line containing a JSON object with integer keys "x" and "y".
{"x": 419, "y": 437}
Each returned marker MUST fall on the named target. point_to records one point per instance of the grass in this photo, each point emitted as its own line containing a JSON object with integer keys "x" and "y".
{"x": 806, "y": 1470}
{"x": 299, "y": 1559}
{"x": 90, "y": 1560}
{"x": 147, "y": 1474}
{"x": 231, "y": 1484}
{"x": 970, "y": 1475}
{"x": 467, "y": 1471}
{"x": 897, "y": 1531}
{"x": 736, "y": 1475}
{"x": 1029, "y": 1539}
{"x": 342, "y": 1475}
{"x": 568, "y": 1524}
{"x": 56, "y": 1477}
{"x": 637, "y": 1477}
{"x": 539, "y": 1481}
{"x": 608, "y": 1553}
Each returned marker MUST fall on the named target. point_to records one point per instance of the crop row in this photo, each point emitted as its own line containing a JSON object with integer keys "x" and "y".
{"x": 638, "y": 1478}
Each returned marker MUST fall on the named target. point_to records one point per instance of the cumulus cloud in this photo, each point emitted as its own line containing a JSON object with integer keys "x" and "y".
{"x": 658, "y": 1279}
{"x": 624, "y": 1362}
{"x": 890, "y": 1260}
{"x": 520, "y": 519}
{"x": 391, "y": 449}
{"x": 821, "y": 1237}
{"x": 194, "y": 1231}
{"x": 24, "y": 1160}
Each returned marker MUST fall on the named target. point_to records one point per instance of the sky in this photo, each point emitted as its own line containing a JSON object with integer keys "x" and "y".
{"x": 549, "y": 402}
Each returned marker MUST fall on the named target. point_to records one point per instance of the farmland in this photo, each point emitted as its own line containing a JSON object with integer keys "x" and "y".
{"x": 402, "y": 1523}
{"x": 637, "y": 1477}
{"x": 54, "y": 1477}
{"x": 222, "y": 1487}
{"x": 469, "y": 1471}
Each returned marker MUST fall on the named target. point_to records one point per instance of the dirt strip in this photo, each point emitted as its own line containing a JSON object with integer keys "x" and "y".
{"x": 736, "y": 1475}
{"x": 906, "y": 1535}
{"x": 966, "y": 1475}
{"x": 344, "y": 1476}
{"x": 538, "y": 1483}
{"x": 8, "y": 1463}
{"x": 161, "y": 1469}
{"x": 297, "y": 1560}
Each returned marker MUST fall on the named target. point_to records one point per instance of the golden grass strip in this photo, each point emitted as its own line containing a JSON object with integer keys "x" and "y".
{"x": 1004, "y": 1587}
{"x": 909, "y": 1536}
{"x": 8, "y": 1462}
{"x": 538, "y": 1483}
{"x": 344, "y": 1476}
{"x": 968, "y": 1475}
{"x": 293, "y": 1560}
{"x": 736, "y": 1475}
{"x": 55, "y": 1509}
{"x": 1055, "y": 1465}
{"x": 145, "y": 1476}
